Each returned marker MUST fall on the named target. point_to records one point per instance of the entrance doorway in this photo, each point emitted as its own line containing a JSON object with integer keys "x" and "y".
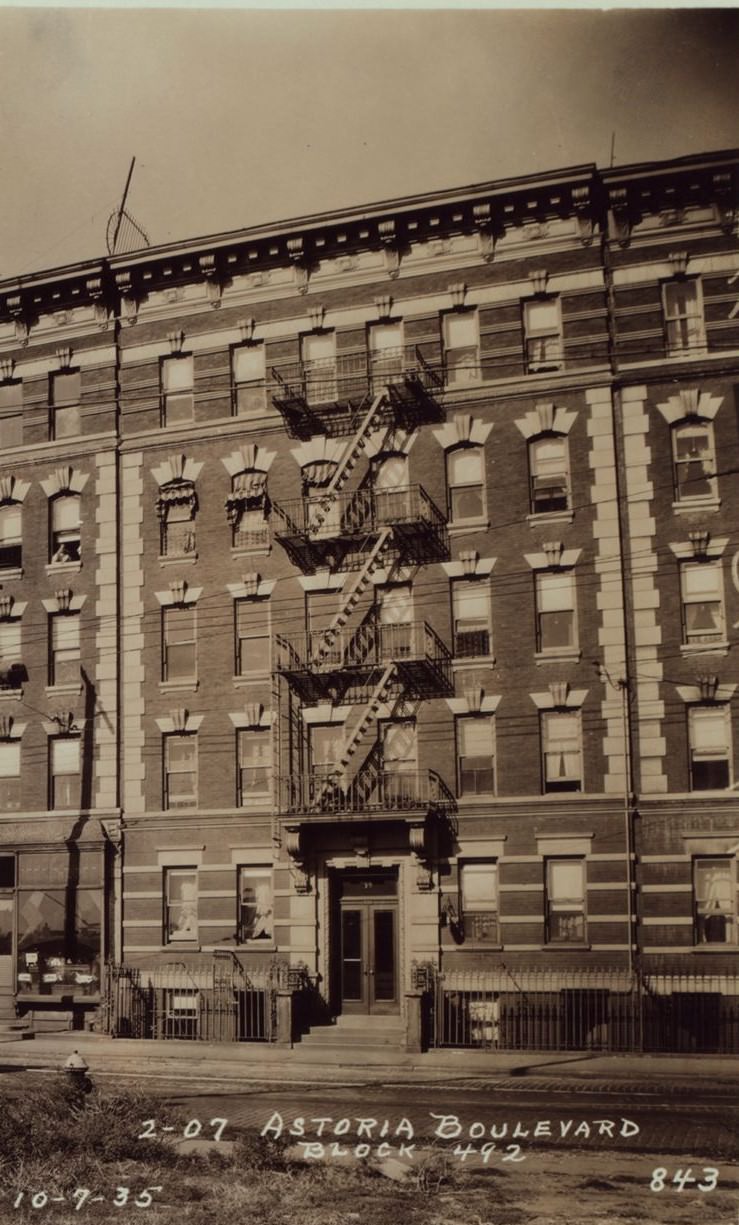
{"x": 7, "y": 928}
{"x": 365, "y": 970}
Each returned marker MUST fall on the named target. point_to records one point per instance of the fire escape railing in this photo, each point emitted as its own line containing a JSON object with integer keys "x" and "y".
{"x": 386, "y": 791}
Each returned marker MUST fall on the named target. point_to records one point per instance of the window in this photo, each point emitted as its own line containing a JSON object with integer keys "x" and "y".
{"x": 255, "y": 764}
{"x": 256, "y": 917}
{"x": 710, "y": 738}
{"x": 180, "y": 771}
{"x": 386, "y": 354}
{"x": 252, "y": 637}
{"x": 548, "y": 474}
{"x": 318, "y": 356}
{"x": 475, "y": 755}
{"x": 395, "y": 615}
{"x": 466, "y": 484}
{"x": 461, "y": 348}
{"x": 399, "y": 753}
{"x": 180, "y": 904}
{"x": 471, "y": 612}
{"x": 178, "y": 404}
{"x": 326, "y": 748}
{"x": 64, "y": 662}
{"x": 562, "y": 751}
{"x": 178, "y": 530}
{"x": 683, "y": 309}
{"x": 478, "y": 885}
{"x": 714, "y": 900}
{"x": 179, "y": 649}
{"x": 10, "y": 654}
{"x": 65, "y": 771}
{"x": 65, "y": 528}
{"x": 703, "y": 602}
{"x": 65, "y": 404}
{"x": 543, "y": 328}
{"x": 693, "y": 460}
{"x": 391, "y": 489}
{"x": 11, "y": 419}
{"x": 565, "y": 901}
{"x": 249, "y": 378}
{"x": 10, "y": 775}
{"x": 11, "y": 541}
{"x": 555, "y": 610}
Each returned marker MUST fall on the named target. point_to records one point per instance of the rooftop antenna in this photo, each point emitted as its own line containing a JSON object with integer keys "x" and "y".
{"x": 122, "y": 226}
{"x": 613, "y": 148}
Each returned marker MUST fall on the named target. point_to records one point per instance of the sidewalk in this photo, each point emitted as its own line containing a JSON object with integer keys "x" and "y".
{"x": 247, "y": 1063}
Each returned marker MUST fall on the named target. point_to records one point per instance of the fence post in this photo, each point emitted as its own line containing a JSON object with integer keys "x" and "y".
{"x": 414, "y": 1022}
{"x": 284, "y": 1027}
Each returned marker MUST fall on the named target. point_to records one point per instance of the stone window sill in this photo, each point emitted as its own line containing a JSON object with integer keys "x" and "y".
{"x": 174, "y": 686}
{"x": 259, "y": 551}
{"x": 53, "y": 691}
{"x": 187, "y": 559}
{"x": 566, "y": 654}
{"x": 251, "y": 679}
{"x": 12, "y": 695}
{"x": 63, "y": 567}
{"x": 463, "y": 527}
{"x": 694, "y": 506}
{"x": 542, "y": 518}
{"x": 704, "y": 648}
{"x": 12, "y": 573}
{"x": 566, "y": 948}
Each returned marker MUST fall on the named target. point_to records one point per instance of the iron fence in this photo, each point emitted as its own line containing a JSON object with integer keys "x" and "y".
{"x": 595, "y": 1010}
{"x": 211, "y": 1001}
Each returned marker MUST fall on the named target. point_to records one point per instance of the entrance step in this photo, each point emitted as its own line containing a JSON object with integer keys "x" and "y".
{"x": 360, "y": 1033}
{"x": 15, "y": 1030}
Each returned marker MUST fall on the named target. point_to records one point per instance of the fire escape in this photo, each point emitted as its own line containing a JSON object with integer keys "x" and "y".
{"x": 357, "y": 661}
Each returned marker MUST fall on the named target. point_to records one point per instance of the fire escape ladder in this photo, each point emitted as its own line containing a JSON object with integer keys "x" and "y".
{"x": 370, "y": 421}
{"x": 354, "y": 594}
{"x": 367, "y": 715}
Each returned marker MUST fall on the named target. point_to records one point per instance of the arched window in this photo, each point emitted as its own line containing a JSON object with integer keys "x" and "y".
{"x": 693, "y": 460}
{"x": 65, "y": 544}
{"x": 549, "y": 481}
{"x": 466, "y": 484}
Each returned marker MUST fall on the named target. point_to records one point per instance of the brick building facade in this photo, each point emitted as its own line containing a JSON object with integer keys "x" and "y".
{"x": 369, "y": 590}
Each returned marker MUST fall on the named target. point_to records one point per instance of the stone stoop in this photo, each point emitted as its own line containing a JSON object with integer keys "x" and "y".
{"x": 374, "y": 1039}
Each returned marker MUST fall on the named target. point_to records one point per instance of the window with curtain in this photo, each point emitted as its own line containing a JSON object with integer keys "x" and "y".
{"x": 10, "y": 775}
{"x": 318, "y": 358}
{"x": 64, "y": 765}
{"x": 694, "y": 460}
{"x": 471, "y": 617}
{"x": 395, "y": 617}
{"x": 562, "y": 751}
{"x": 682, "y": 302}
{"x": 180, "y": 770}
{"x": 391, "y": 488}
{"x": 543, "y": 330}
{"x": 65, "y": 528}
{"x": 702, "y": 602}
{"x": 400, "y": 760}
{"x": 714, "y": 900}
{"x": 478, "y": 886}
{"x": 256, "y": 905}
{"x": 565, "y": 901}
{"x": 10, "y": 654}
{"x": 65, "y": 649}
{"x": 255, "y": 764}
{"x": 386, "y": 354}
{"x": 461, "y": 347}
{"x": 252, "y": 637}
{"x": 180, "y": 905}
{"x": 179, "y": 644}
{"x": 11, "y": 538}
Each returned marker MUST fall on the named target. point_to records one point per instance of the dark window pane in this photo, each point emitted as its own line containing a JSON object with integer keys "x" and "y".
{"x": 710, "y": 775}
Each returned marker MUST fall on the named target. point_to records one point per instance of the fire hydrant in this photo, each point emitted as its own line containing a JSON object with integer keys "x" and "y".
{"x": 76, "y": 1069}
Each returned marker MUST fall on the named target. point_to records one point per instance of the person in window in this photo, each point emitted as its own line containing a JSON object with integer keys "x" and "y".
{"x": 185, "y": 917}
{"x": 62, "y": 554}
{"x": 262, "y": 929}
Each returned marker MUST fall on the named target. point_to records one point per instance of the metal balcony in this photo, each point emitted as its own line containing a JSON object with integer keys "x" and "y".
{"x": 328, "y": 396}
{"x": 379, "y": 795}
{"x": 351, "y": 660}
{"x": 340, "y": 525}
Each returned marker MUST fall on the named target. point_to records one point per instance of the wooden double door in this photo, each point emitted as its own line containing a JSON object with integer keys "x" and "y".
{"x": 365, "y": 958}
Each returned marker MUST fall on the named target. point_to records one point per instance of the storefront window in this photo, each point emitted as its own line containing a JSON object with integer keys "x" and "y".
{"x": 59, "y": 941}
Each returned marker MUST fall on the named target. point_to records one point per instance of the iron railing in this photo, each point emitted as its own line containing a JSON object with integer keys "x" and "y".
{"x": 370, "y": 645}
{"x": 349, "y": 378}
{"x": 327, "y": 794}
{"x": 212, "y": 1001}
{"x": 561, "y": 1010}
{"x": 359, "y": 512}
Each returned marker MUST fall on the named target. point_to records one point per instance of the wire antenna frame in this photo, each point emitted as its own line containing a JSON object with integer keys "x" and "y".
{"x": 123, "y": 233}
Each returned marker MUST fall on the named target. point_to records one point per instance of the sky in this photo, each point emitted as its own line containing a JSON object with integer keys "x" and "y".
{"x": 238, "y": 118}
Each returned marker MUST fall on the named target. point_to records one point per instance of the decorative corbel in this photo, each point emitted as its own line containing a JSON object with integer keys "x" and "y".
{"x": 7, "y": 368}
{"x": 384, "y": 307}
{"x": 129, "y": 303}
{"x": 213, "y": 284}
{"x": 16, "y": 309}
{"x": 94, "y": 287}
{"x": 707, "y": 687}
{"x": 316, "y": 316}
{"x": 296, "y": 253}
{"x": 725, "y": 201}
{"x": 300, "y": 877}
{"x": 389, "y": 238}
{"x": 618, "y": 200}
{"x": 65, "y": 721}
{"x": 246, "y": 328}
{"x": 420, "y": 852}
{"x": 582, "y": 206}
{"x": 699, "y": 539}
{"x": 559, "y": 691}
{"x": 678, "y": 261}
{"x": 483, "y": 217}
{"x": 552, "y": 550}
{"x": 538, "y": 278}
